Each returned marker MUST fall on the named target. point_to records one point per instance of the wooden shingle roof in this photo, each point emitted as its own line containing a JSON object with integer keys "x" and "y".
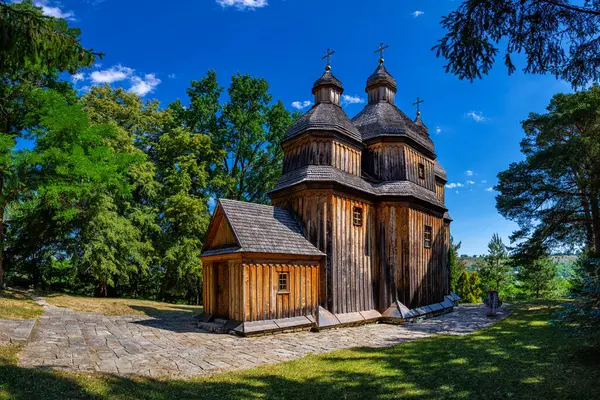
{"x": 260, "y": 228}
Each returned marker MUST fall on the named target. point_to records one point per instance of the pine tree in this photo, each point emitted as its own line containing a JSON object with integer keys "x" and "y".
{"x": 494, "y": 271}
{"x": 538, "y": 274}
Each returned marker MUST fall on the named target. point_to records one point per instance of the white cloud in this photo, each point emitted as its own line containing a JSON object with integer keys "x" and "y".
{"x": 454, "y": 185}
{"x": 172, "y": 76}
{"x": 476, "y": 116}
{"x": 144, "y": 86}
{"x": 243, "y": 4}
{"x": 299, "y": 105}
{"x": 346, "y": 99}
{"x": 77, "y": 77}
{"x": 417, "y": 13}
{"x": 484, "y": 181}
{"x": 113, "y": 74}
{"x": 438, "y": 130}
{"x": 470, "y": 182}
{"x": 489, "y": 189}
{"x": 469, "y": 172}
{"x": 52, "y": 9}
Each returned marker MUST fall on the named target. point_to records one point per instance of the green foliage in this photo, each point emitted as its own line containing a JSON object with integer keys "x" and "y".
{"x": 554, "y": 193}
{"x": 496, "y": 268}
{"x": 246, "y": 132}
{"x": 559, "y": 37}
{"x": 469, "y": 287}
{"x": 539, "y": 275}
{"x": 456, "y": 266}
{"x": 583, "y": 314}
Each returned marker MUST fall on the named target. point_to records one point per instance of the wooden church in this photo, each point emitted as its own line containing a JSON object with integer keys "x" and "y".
{"x": 357, "y": 232}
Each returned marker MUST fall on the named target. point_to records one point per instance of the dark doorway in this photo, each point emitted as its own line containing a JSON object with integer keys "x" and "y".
{"x": 223, "y": 290}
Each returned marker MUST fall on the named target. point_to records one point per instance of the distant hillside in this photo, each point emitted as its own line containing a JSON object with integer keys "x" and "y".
{"x": 471, "y": 261}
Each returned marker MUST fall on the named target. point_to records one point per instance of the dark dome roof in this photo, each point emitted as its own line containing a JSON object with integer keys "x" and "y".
{"x": 385, "y": 119}
{"x": 327, "y": 79}
{"x": 381, "y": 75}
{"x": 324, "y": 117}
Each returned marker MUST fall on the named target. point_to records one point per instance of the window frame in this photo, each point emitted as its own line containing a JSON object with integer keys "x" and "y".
{"x": 357, "y": 216}
{"x": 421, "y": 168}
{"x": 286, "y": 280}
{"x": 428, "y": 236}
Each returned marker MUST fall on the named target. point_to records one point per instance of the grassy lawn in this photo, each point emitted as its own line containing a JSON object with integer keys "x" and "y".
{"x": 18, "y": 304}
{"x": 110, "y": 306}
{"x": 521, "y": 357}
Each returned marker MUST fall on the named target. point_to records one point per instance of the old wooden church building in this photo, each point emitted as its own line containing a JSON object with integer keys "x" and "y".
{"x": 357, "y": 231}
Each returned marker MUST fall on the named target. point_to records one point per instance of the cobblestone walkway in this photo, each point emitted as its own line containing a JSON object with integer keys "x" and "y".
{"x": 172, "y": 345}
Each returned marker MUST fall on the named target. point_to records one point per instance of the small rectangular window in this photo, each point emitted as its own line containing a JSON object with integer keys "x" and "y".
{"x": 428, "y": 235}
{"x": 421, "y": 171}
{"x": 357, "y": 216}
{"x": 283, "y": 282}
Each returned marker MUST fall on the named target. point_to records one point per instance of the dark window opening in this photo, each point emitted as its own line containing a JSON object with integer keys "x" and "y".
{"x": 283, "y": 282}
{"x": 428, "y": 235}
{"x": 421, "y": 171}
{"x": 357, "y": 216}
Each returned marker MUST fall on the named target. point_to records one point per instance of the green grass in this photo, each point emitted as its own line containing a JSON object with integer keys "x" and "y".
{"x": 18, "y": 304}
{"x": 521, "y": 357}
{"x": 112, "y": 306}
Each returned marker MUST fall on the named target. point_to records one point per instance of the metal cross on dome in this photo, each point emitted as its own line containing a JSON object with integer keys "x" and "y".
{"x": 381, "y": 48}
{"x": 418, "y": 104}
{"x": 328, "y": 57}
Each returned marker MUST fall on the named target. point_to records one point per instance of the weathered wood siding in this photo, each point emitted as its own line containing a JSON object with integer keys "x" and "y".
{"x": 409, "y": 272}
{"x": 440, "y": 192}
{"x": 309, "y": 151}
{"x": 412, "y": 159}
{"x": 346, "y": 158}
{"x": 352, "y": 272}
{"x": 428, "y": 278}
{"x": 223, "y": 236}
{"x": 385, "y": 161}
{"x": 313, "y": 209}
{"x": 261, "y": 299}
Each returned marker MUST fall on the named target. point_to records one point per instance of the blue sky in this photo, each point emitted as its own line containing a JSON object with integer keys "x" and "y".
{"x": 155, "y": 48}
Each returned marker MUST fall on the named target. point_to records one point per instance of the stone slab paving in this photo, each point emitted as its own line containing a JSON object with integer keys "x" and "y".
{"x": 172, "y": 346}
{"x": 15, "y": 331}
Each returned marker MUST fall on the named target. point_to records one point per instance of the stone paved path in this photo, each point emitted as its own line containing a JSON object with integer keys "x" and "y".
{"x": 15, "y": 331}
{"x": 172, "y": 346}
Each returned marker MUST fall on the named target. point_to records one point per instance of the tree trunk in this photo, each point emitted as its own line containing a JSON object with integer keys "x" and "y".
{"x": 589, "y": 229}
{"x": 102, "y": 290}
{"x": 595, "y": 209}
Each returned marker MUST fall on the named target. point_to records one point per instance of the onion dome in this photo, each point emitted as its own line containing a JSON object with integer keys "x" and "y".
{"x": 381, "y": 86}
{"x": 326, "y": 114}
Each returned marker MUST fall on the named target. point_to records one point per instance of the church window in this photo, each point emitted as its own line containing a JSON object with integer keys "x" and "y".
{"x": 283, "y": 282}
{"x": 421, "y": 171}
{"x": 428, "y": 235}
{"x": 357, "y": 216}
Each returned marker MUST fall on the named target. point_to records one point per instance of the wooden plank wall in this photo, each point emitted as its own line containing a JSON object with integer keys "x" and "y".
{"x": 385, "y": 162}
{"x": 346, "y": 158}
{"x": 209, "y": 295}
{"x": 223, "y": 236}
{"x": 236, "y": 299}
{"x": 413, "y": 159}
{"x": 313, "y": 208}
{"x": 394, "y": 269}
{"x": 353, "y": 275}
{"x": 309, "y": 151}
{"x": 260, "y": 291}
{"x": 440, "y": 192}
{"x": 428, "y": 277}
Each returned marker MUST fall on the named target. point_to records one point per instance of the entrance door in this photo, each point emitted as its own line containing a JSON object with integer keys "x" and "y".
{"x": 223, "y": 290}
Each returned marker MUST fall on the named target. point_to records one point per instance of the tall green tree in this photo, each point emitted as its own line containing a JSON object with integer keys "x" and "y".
{"x": 246, "y": 130}
{"x": 35, "y": 49}
{"x": 554, "y": 193}
{"x": 495, "y": 269}
{"x": 559, "y": 37}
{"x": 75, "y": 206}
{"x": 455, "y": 265}
{"x": 538, "y": 275}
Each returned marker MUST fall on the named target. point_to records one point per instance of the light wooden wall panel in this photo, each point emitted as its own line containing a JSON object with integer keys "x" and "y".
{"x": 346, "y": 158}
{"x": 412, "y": 159}
{"x": 262, "y": 299}
{"x": 440, "y": 192}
